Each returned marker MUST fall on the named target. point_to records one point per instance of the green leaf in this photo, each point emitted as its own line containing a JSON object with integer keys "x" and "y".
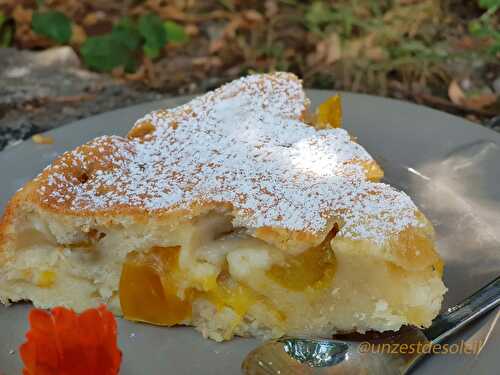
{"x": 39, "y": 2}
{"x": 52, "y": 24}
{"x": 318, "y": 14}
{"x": 6, "y": 37}
{"x": 6, "y": 31}
{"x": 228, "y": 4}
{"x": 126, "y": 32}
{"x": 152, "y": 30}
{"x": 477, "y": 28}
{"x": 175, "y": 32}
{"x": 106, "y": 52}
{"x": 494, "y": 50}
{"x": 474, "y": 27}
{"x": 488, "y": 4}
{"x": 151, "y": 52}
{"x": 126, "y": 23}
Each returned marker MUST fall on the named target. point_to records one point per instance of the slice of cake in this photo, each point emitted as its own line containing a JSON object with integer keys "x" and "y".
{"x": 235, "y": 213}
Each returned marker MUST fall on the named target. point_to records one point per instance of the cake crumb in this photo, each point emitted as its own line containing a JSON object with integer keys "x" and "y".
{"x": 42, "y": 139}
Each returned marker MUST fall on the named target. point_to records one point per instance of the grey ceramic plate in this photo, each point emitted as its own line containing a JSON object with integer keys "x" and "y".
{"x": 449, "y": 166}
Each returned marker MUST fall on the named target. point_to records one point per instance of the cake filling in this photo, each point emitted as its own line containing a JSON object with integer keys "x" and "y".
{"x": 153, "y": 285}
{"x": 148, "y": 290}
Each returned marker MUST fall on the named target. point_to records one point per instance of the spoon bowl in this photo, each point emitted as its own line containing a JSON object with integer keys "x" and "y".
{"x": 297, "y": 355}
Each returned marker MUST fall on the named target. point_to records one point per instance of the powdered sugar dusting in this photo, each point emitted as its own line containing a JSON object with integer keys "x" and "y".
{"x": 243, "y": 144}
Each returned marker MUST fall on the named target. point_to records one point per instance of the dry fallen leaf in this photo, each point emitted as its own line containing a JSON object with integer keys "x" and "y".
{"x": 480, "y": 101}
{"x": 22, "y": 15}
{"x": 376, "y": 53}
{"x": 78, "y": 35}
{"x": 216, "y": 45}
{"x": 139, "y": 75}
{"x": 455, "y": 93}
{"x": 333, "y": 48}
{"x": 328, "y": 51}
{"x": 363, "y": 46}
{"x": 233, "y": 25}
{"x": 271, "y": 8}
{"x": 353, "y": 48}
{"x": 466, "y": 42}
{"x": 118, "y": 72}
{"x": 191, "y": 29}
{"x": 253, "y": 16}
{"x": 26, "y": 38}
{"x": 473, "y": 118}
{"x": 408, "y": 2}
{"x": 207, "y": 61}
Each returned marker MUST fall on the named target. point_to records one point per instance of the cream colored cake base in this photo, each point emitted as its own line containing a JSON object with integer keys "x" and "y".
{"x": 77, "y": 262}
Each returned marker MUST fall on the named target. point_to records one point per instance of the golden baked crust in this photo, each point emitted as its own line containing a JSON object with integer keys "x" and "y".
{"x": 242, "y": 147}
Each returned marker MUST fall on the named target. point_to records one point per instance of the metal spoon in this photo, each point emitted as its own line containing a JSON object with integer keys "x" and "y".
{"x": 296, "y": 355}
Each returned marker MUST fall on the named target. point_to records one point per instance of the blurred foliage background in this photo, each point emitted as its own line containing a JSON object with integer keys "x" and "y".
{"x": 442, "y": 53}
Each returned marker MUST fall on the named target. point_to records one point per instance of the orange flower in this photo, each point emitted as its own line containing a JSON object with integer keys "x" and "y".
{"x": 62, "y": 342}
